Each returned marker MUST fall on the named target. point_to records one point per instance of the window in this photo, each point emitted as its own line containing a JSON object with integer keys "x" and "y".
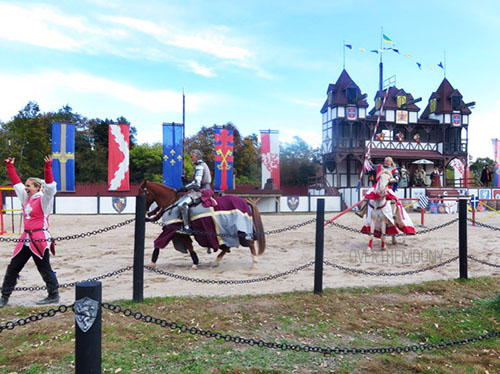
{"x": 455, "y": 102}
{"x": 351, "y": 95}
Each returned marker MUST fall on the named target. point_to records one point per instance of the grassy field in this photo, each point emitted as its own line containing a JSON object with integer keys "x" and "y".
{"x": 361, "y": 317}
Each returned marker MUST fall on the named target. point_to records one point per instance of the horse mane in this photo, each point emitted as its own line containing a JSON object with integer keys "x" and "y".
{"x": 383, "y": 180}
{"x": 163, "y": 195}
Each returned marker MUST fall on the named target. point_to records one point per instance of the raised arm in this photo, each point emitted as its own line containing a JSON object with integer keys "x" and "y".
{"x": 47, "y": 170}
{"x": 11, "y": 170}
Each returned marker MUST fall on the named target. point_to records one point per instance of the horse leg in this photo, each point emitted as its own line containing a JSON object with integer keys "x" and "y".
{"x": 223, "y": 251}
{"x": 255, "y": 260}
{"x": 372, "y": 230}
{"x": 192, "y": 253}
{"x": 382, "y": 234}
{"x": 154, "y": 257}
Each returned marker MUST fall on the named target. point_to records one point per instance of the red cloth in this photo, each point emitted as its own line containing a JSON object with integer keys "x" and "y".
{"x": 11, "y": 170}
{"x": 47, "y": 172}
{"x": 207, "y": 198}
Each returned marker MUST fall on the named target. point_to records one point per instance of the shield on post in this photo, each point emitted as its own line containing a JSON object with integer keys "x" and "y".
{"x": 292, "y": 202}
{"x": 119, "y": 203}
{"x": 85, "y": 313}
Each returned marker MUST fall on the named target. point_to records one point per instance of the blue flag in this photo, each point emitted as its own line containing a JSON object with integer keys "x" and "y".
{"x": 63, "y": 153}
{"x": 173, "y": 156}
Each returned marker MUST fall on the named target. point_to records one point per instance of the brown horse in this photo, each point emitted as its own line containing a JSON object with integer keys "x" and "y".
{"x": 165, "y": 198}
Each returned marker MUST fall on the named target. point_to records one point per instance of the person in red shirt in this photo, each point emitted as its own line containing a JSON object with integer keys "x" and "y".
{"x": 36, "y": 198}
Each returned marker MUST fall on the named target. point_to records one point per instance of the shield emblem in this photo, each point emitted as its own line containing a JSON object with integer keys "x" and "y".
{"x": 456, "y": 119}
{"x": 119, "y": 203}
{"x": 292, "y": 202}
{"x": 85, "y": 313}
{"x": 351, "y": 113}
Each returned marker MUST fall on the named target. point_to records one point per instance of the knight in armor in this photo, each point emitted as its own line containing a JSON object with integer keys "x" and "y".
{"x": 201, "y": 181}
{"x": 393, "y": 184}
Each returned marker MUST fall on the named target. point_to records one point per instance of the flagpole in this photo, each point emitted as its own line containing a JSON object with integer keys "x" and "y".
{"x": 343, "y": 59}
{"x": 183, "y": 120}
{"x": 381, "y": 65}
{"x": 444, "y": 58}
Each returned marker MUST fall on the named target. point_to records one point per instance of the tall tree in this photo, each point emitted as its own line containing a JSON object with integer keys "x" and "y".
{"x": 298, "y": 162}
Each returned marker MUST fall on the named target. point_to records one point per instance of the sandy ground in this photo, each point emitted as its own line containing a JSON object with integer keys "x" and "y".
{"x": 84, "y": 258}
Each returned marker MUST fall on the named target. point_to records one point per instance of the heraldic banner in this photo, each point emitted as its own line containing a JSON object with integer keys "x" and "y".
{"x": 173, "y": 156}
{"x": 270, "y": 149}
{"x": 63, "y": 153}
{"x": 496, "y": 158}
{"x": 118, "y": 157}
{"x": 223, "y": 176}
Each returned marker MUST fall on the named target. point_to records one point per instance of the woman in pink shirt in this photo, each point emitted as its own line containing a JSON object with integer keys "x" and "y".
{"x": 36, "y": 198}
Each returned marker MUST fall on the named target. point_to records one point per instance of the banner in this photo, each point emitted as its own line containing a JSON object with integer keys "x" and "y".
{"x": 223, "y": 178}
{"x": 173, "y": 155}
{"x": 496, "y": 158}
{"x": 118, "y": 157}
{"x": 270, "y": 149}
{"x": 459, "y": 169}
{"x": 63, "y": 154}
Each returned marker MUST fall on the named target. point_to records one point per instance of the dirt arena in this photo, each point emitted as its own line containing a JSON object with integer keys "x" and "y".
{"x": 85, "y": 258}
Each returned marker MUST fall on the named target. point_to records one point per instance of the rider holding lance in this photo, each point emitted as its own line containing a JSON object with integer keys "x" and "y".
{"x": 201, "y": 181}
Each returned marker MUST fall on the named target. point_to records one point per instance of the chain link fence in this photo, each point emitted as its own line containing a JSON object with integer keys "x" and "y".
{"x": 229, "y": 338}
{"x": 71, "y": 237}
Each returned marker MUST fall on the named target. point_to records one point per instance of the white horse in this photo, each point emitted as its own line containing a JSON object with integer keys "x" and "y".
{"x": 380, "y": 212}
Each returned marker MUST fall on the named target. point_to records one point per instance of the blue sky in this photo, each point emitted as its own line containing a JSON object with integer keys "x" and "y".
{"x": 259, "y": 64}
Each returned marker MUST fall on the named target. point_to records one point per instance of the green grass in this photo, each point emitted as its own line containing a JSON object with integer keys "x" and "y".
{"x": 359, "y": 317}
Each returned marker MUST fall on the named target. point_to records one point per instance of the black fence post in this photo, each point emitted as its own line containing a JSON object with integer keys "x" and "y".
{"x": 462, "y": 237}
{"x": 98, "y": 203}
{"x": 88, "y": 328}
{"x": 140, "y": 232}
{"x": 320, "y": 230}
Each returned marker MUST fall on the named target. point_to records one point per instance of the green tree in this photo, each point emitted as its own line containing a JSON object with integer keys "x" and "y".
{"x": 28, "y": 133}
{"x": 146, "y": 163}
{"x": 298, "y": 162}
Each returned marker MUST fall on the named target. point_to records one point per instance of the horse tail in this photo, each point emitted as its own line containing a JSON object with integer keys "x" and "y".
{"x": 258, "y": 228}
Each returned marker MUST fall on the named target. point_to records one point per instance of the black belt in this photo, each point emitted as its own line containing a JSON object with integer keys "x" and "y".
{"x": 32, "y": 231}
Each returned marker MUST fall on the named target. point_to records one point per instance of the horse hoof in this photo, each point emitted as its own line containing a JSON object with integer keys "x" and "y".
{"x": 152, "y": 265}
{"x": 194, "y": 267}
{"x": 215, "y": 264}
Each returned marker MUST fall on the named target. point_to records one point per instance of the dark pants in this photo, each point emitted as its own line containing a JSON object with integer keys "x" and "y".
{"x": 16, "y": 265}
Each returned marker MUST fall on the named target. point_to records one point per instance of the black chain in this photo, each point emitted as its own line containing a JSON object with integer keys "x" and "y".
{"x": 386, "y": 274}
{"x": 35, "y": 317}
{"x": 242, "y": 281}
{"x": 474, "y": 222}
{"x": 269, "y": 232}
{"x": 72, "y": 284}
{"x": 292, "y": 347}
{"x": 343, "y": 227}
{"x": 70, "y": 237}
{"x": 482, "y": 261}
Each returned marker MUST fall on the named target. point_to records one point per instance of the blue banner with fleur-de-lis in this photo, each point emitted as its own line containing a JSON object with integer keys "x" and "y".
{"x": 173, "y": 157}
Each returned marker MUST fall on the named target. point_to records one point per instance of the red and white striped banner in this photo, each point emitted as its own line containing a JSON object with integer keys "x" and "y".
{"x": 118, "y": 157}
{"x": 270, "y": 155}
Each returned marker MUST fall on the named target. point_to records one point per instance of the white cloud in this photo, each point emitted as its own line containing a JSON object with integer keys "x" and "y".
{"x": 212, "y": 42}
{"x": 54, "y": 89}
{"x": 38, "y": 26}
{"x": 201, "y": 70}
